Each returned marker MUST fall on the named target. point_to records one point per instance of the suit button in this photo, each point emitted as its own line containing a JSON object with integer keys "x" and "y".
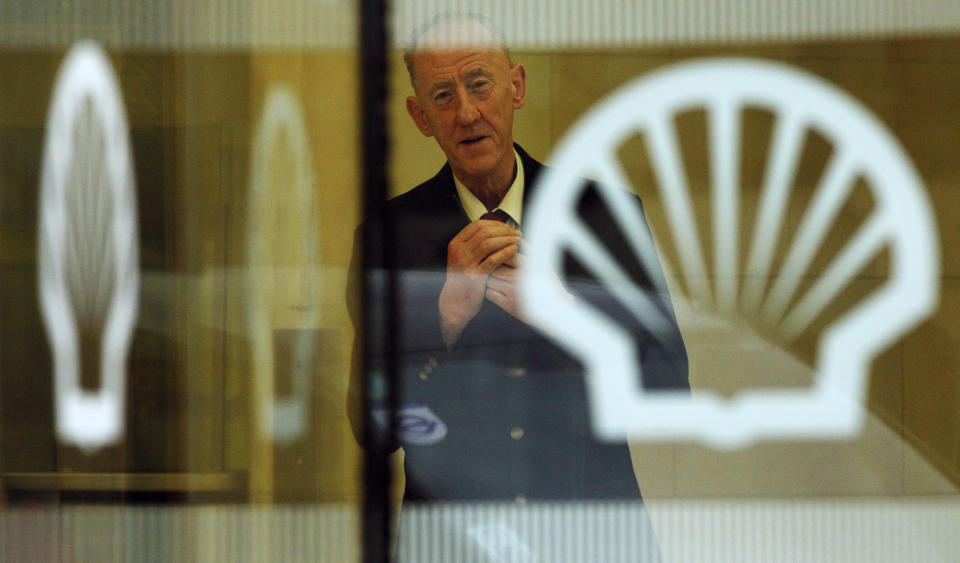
{"x": 520, "y": 499}
{"x": 516, "y": 432}
{"x": 423, "y": 375}
{"x": 516, "y": 372}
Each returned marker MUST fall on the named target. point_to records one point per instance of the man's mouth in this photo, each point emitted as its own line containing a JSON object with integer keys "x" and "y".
{"x": 473, "y": 140}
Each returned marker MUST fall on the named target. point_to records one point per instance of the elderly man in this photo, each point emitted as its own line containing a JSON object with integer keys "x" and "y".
{"x": 491, "y": 409}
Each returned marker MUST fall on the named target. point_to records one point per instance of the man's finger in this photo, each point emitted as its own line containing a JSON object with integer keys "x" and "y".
{"x": 505, "y": 272}
{"x": 474, "y": 233}
{"x": 491, "y": 262}
{"x": 488, "y": 229}
{"x": 497, "y": 284}
{"x": 492, "y": 245}
{"x": 482, "y": 226}
{"x": 498, "y": 298}
{"x": 514, "y": 262}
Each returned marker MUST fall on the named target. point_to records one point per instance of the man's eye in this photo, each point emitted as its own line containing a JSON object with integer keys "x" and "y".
{"x": 440, "y": 96}
{"x": 480, "y": 84}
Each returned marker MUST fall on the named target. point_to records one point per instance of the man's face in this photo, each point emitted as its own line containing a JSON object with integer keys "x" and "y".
{"x": 465, "y": 99}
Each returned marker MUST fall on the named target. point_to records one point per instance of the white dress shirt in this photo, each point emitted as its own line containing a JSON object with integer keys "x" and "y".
{"x": 512, "y": 202}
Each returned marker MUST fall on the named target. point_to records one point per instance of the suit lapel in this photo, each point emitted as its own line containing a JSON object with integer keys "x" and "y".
{"x": 450, "y": 218}
{"x": 531, "y": 173}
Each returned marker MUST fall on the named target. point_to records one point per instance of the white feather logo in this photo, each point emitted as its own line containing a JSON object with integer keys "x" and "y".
{"x": 88, "y": 247}
{"x": 282, "y": 251}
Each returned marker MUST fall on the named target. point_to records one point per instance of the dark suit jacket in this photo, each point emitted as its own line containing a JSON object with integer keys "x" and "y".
{"x": 513, "y": 404}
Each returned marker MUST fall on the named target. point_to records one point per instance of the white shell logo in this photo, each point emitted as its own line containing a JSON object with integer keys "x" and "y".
{"x": 273, "y": 284}
{"x": 88, "y": 255}
{"x": 901, "y": 221}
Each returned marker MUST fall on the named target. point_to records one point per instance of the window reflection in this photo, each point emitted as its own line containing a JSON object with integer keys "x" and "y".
{"x": 194, "y": 476}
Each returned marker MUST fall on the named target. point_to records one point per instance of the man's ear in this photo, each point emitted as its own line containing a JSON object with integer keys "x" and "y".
{"x": 518, "y": 79}
{"x": 418, "y": 115}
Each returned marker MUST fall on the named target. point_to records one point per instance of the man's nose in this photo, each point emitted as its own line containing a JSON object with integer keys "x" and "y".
{"x": 467, "y": 110}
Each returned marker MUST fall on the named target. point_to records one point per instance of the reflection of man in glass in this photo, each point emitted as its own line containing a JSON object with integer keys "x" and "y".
{"x": 490, "y": 409}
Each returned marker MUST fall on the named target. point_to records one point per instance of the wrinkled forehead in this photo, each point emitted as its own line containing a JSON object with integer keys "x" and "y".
{"x": 446, "y": 40}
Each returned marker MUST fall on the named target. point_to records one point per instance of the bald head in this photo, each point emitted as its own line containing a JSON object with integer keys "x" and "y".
{"x": 449, "y": 32}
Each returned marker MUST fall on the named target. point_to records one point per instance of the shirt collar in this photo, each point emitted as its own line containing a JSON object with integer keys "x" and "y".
{"x": 512, "y": 201}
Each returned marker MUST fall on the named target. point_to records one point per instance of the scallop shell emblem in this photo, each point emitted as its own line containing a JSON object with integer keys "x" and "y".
{"x": 88, "y": 247}
{"x": 901, "y": 221}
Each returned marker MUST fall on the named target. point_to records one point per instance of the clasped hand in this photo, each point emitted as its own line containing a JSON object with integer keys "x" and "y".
{"x": 482, "y": 262}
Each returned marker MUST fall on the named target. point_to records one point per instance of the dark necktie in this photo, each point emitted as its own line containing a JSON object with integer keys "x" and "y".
{"x": 499, "y": 215}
